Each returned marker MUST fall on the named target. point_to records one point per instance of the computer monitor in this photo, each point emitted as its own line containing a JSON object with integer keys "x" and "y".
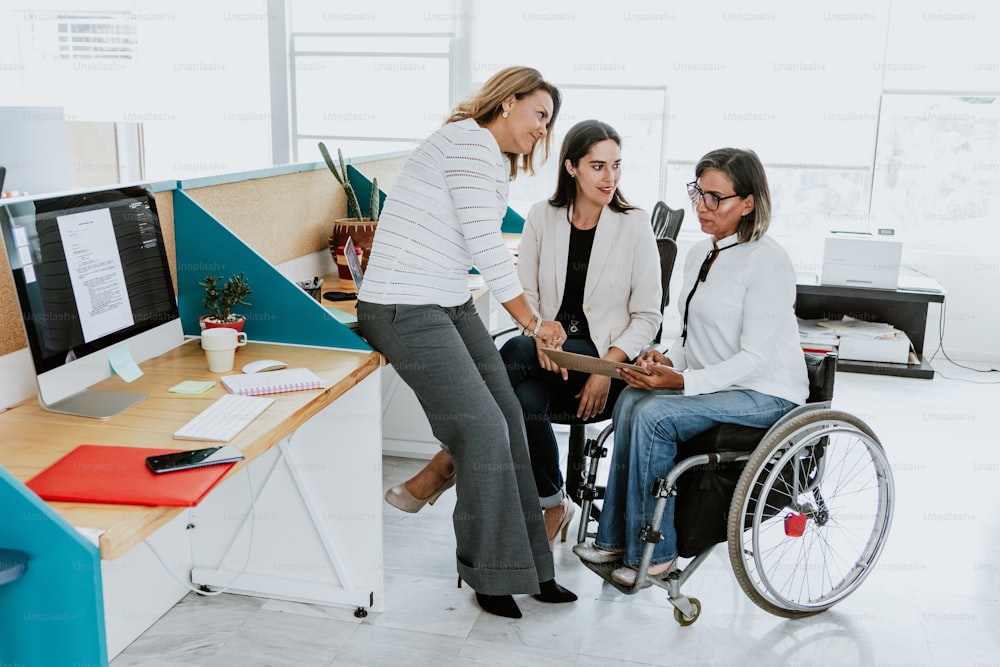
{"x": 91, "y": 275}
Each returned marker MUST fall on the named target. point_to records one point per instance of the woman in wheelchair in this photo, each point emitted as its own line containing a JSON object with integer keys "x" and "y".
{"x": 588, "y": 260}
{"x": 737, "y": 360}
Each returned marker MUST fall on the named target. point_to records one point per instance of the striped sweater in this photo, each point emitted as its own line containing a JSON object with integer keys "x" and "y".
{"x": 443, "y": 217}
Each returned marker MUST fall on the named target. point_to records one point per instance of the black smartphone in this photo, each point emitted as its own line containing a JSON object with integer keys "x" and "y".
{"x": 196, "y": 458}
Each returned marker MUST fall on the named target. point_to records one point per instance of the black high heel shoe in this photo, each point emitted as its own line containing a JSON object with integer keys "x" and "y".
{"x": 499, "y": 605}
{"x": 552, "y": 592}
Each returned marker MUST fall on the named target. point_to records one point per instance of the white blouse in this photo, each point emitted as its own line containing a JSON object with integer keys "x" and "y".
{"x": 442, "y": 217}
{"x": 741, "y": 330}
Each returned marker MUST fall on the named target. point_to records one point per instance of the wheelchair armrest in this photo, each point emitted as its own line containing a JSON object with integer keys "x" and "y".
{"x": 822, "y": 370}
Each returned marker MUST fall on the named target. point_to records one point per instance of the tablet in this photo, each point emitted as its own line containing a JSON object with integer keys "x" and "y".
{"x": 586, "y": 364}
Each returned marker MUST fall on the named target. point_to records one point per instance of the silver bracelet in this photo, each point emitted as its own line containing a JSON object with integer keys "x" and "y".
{"x": 538, "y": 325}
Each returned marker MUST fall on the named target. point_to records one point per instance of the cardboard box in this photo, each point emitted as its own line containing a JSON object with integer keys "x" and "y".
{"x": 895, "y": 350}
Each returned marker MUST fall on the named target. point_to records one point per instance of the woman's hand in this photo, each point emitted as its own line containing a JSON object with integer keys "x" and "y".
{"x": 593, "y": 397}
{"x": 545, "y": 362}
{"x": 653, "y": 356}
{"x": 661, "y": 376}
{"x": 551, "y": 335}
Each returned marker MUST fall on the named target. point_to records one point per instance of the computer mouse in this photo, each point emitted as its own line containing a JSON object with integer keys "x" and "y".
{"x": 263, "y": 365}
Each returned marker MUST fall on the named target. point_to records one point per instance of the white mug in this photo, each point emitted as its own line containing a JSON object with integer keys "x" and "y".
{"x": 220, "y": 345}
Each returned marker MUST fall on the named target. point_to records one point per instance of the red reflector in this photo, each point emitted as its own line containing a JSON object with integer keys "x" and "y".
{"x": 795, "y": 524}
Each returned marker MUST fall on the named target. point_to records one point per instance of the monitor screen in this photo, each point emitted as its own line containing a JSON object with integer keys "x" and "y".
{"x": 91, "y": 275}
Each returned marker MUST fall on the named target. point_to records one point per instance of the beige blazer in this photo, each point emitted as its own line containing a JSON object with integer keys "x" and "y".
{"x": 621, "y": 297}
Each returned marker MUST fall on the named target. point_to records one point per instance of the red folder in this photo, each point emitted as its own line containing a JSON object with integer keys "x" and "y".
{"x": 118, "y": 475}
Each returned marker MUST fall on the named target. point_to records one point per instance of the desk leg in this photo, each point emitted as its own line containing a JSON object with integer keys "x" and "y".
{"x": 317, "y": 519}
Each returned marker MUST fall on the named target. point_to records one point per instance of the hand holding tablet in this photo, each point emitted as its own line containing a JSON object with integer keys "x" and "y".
{"x": 587, "y": 364}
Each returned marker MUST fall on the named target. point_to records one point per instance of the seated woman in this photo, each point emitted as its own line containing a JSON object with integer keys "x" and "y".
{"x": 588, "y": 260}
{"x": 737, "y": 360}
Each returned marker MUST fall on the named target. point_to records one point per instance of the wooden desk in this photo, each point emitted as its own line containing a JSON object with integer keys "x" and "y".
{"x": 904, "y": 309}
{"x": 35, "y": 438}
{"x": 336, "y": 444}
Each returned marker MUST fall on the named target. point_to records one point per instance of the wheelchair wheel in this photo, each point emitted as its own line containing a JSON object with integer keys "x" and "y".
{"x": 810, "y": 513}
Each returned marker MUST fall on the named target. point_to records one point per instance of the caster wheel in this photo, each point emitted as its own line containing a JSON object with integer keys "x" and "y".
{"x": 688, "y": 620}
{"x": 361, "y": 612}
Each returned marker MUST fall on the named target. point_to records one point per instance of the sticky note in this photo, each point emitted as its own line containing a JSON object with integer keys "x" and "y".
{"x": 192, "y": 387}
{"x": 123, "y": 364}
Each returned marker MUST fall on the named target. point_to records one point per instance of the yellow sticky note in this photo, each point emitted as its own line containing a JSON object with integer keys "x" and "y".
{"x": 192, "y": 387}
{"x": 123, "y": 364}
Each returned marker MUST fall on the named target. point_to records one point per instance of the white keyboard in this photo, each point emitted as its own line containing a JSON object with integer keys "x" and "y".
{"x": 223, "y": 419}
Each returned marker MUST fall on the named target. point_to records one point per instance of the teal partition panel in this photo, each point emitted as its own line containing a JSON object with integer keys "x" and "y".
{"x": 53, "y": 614}
{"x": 513, "y": 222}
{"x": 363, "y": 189}
{"x": 281, "y": 312}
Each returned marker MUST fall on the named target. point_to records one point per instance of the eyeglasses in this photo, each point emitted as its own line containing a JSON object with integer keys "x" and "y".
{"x": 712, "y": 200}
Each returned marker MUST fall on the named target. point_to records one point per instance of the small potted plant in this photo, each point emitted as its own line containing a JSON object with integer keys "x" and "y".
{"x": 221, "y": 298}
{"x": 359, "y": 228}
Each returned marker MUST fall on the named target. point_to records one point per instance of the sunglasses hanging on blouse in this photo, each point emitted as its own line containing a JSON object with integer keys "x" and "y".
{"x": 702, "y": 275}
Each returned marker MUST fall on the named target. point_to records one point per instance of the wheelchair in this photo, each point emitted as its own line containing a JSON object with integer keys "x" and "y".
{"x": 809, "y": 516}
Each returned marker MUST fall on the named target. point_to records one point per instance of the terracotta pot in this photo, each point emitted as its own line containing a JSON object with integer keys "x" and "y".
{"x": 361, "y": 232}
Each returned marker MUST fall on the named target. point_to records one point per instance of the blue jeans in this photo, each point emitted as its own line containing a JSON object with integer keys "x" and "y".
{"x": 545, "y": 397}
{"x": 648, "y": 426}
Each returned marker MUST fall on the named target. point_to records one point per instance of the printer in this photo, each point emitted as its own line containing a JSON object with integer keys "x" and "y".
{"x": 854, "y": 259}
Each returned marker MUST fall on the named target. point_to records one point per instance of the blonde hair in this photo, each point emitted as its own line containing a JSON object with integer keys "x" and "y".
{"x": 487, "y": 104}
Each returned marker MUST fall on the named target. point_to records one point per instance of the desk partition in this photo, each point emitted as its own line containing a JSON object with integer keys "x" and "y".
{"x": 53, "y": 614}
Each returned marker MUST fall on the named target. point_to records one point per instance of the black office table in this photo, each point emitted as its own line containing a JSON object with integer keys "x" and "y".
{"x": 904, "y": 309}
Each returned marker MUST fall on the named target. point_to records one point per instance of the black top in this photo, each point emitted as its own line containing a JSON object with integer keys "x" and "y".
{"x": 570, "y": 314}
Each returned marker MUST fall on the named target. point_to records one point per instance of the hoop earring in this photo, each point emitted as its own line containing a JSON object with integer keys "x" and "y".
{"x": 506, "y": 113}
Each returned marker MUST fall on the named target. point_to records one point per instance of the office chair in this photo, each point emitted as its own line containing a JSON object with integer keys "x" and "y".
{"x": 666, "y": 221}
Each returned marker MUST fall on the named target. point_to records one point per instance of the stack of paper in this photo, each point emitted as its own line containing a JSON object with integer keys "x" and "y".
{"x": 859, "y": 328}
{"x": 868, "y": 341}
{"x": 816, "y": 338}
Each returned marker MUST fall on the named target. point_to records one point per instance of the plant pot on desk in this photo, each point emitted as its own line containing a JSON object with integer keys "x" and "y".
{"x": 361, "y": 231}
{"x": 209, "y": 322}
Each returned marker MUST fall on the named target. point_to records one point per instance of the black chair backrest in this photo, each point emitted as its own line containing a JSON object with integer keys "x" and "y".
{"x": 667, "y": 248}
{"x": 658, "y": 218}
{"x": 822, "y": 369}
{"x": 666, "y": 221}
{"x": 674, "y": 219}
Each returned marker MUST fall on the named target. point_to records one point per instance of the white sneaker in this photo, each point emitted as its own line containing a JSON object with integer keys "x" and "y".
{"x": 626, "y": 576}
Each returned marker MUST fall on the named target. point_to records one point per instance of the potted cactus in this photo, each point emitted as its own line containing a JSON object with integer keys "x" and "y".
{"x": 220, "y": 299}
{"x": 359, "y": 228}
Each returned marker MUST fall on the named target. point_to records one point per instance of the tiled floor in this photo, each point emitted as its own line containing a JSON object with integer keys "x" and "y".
{"x": 934, "y": 598}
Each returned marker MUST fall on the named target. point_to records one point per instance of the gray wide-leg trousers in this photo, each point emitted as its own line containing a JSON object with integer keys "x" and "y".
{"x": 452, "y": 364}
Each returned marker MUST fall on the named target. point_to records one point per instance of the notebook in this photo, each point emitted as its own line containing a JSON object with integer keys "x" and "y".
{"x": 272, "y": 382}
{"x": 118, "y": 475}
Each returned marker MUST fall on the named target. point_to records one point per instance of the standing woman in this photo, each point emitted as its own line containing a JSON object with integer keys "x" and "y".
{"x": 443, "y": 217}
{"x": 588, "y": 260}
